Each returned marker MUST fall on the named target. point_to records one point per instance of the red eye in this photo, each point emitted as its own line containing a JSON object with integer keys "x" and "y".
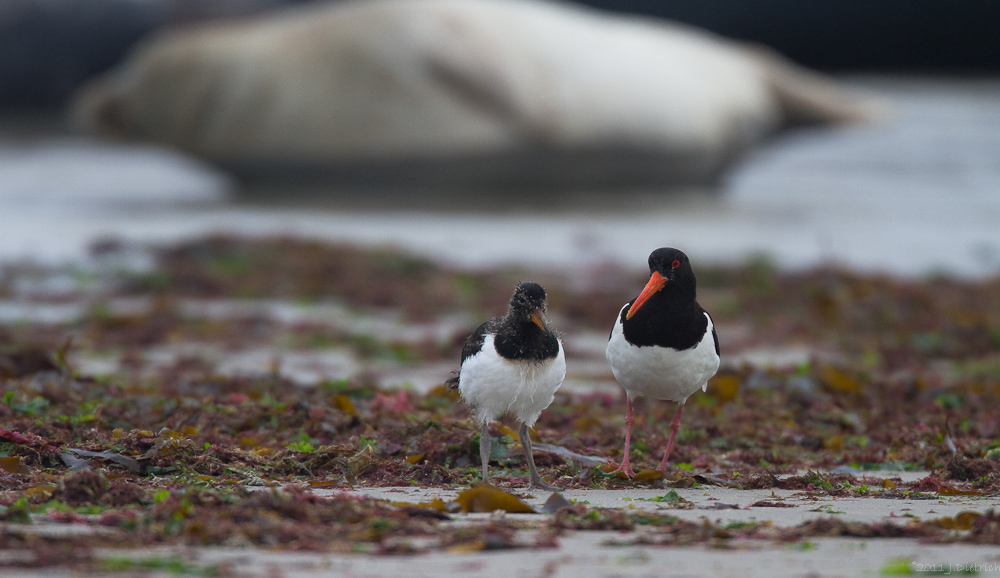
{"x": 675, "y": 264}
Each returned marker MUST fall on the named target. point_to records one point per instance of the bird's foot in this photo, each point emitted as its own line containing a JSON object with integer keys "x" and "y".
{"x": 540, "y": 484}
{"x": 624, "y": 468}
{"x": 669, "y": 470}
{"x": 663, "y": 465}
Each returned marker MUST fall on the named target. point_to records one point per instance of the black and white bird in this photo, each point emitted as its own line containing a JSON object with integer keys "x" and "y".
{"x": 514, "y": 364}
{"x": 663, "y": 344}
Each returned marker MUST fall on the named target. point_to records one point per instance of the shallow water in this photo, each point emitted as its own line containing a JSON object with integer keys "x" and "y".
{"x": 916, "y": 194}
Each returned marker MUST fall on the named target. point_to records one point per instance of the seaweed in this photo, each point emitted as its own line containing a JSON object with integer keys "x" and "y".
{"x": 164, "y": 447}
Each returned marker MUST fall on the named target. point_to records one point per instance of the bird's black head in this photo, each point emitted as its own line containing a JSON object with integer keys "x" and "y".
{"x": 528, "y": 302}
{"x": 528, "y": 296}
{"x": 672, "y": 264}
{"x": 669, "y": 272}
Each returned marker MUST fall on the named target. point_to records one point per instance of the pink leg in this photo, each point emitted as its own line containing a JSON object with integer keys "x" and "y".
{"x": 674, "y": 426}
{"x": 629, "y": 420}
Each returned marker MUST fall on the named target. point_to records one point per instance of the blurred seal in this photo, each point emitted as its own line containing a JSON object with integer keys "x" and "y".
{"x": 503, "y": 92}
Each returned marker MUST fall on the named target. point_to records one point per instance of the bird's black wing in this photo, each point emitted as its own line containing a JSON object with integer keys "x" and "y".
{"x": 715, "y": 336}
{"x": 473, "y": 345}
{"x": 621, "y": 317}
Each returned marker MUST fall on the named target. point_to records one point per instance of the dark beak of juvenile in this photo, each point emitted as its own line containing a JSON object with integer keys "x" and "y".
{"x": 538, "y": 318}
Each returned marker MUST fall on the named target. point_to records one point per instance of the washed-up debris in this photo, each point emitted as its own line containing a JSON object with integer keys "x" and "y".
{"x": 720, "y": 506}
{"x": 167, "y": 442}
{"x": 555, "y": 502}
{"x": 80, "y": 488}
{"x": 76, "y": 464}
{"x": 125, "y": 461}
{"x": 436, "y": 505}
{"x": 25, "y": 362}
{"x": 647, "y": 476}
{"x": 13, "y": 465}
{"x": 26, "y": 439}
{"x": 584, "y": 461}
{"x": 771, "y": 504}
{"x": 961, "y": 521}
{"x": 361, "y": 461}
{"x": 683, "y": 482}
{"x": 483, "y": 497}
{"x": 200, "y": 436}
{"x": 705, "y": 480}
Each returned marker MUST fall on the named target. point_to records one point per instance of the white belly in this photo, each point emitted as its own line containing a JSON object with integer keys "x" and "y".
{"x": 661, "y": 372}
{"x": 493, "y": 385}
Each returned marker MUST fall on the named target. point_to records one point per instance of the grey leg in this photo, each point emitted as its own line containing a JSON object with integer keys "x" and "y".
{"x": 536, "y": 480}
{"x": 484, "y": 450}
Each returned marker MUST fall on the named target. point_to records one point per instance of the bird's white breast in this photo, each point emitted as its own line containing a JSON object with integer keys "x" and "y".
{"x": 493, "y": 385}
{"x": 662, "y": 372}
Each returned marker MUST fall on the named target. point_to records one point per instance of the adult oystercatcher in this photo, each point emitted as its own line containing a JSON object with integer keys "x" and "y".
{"x": 664, "y": 344}
{"x": 515, "y": 364}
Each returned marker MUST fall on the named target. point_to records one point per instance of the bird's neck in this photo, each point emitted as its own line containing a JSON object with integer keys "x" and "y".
{"x": 675, "y": 301}
{"x": 667, "y": 322}
{"x": 522, "y": 339}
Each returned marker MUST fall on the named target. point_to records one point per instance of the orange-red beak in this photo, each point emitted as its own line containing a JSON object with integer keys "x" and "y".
{"x": 536, "y": 317}
{"x": 656, "y": 282}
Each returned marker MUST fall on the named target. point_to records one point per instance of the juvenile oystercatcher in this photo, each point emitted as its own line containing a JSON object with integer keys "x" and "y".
{"x": 515, "y": 364}
{"x": 663, "y": 344}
